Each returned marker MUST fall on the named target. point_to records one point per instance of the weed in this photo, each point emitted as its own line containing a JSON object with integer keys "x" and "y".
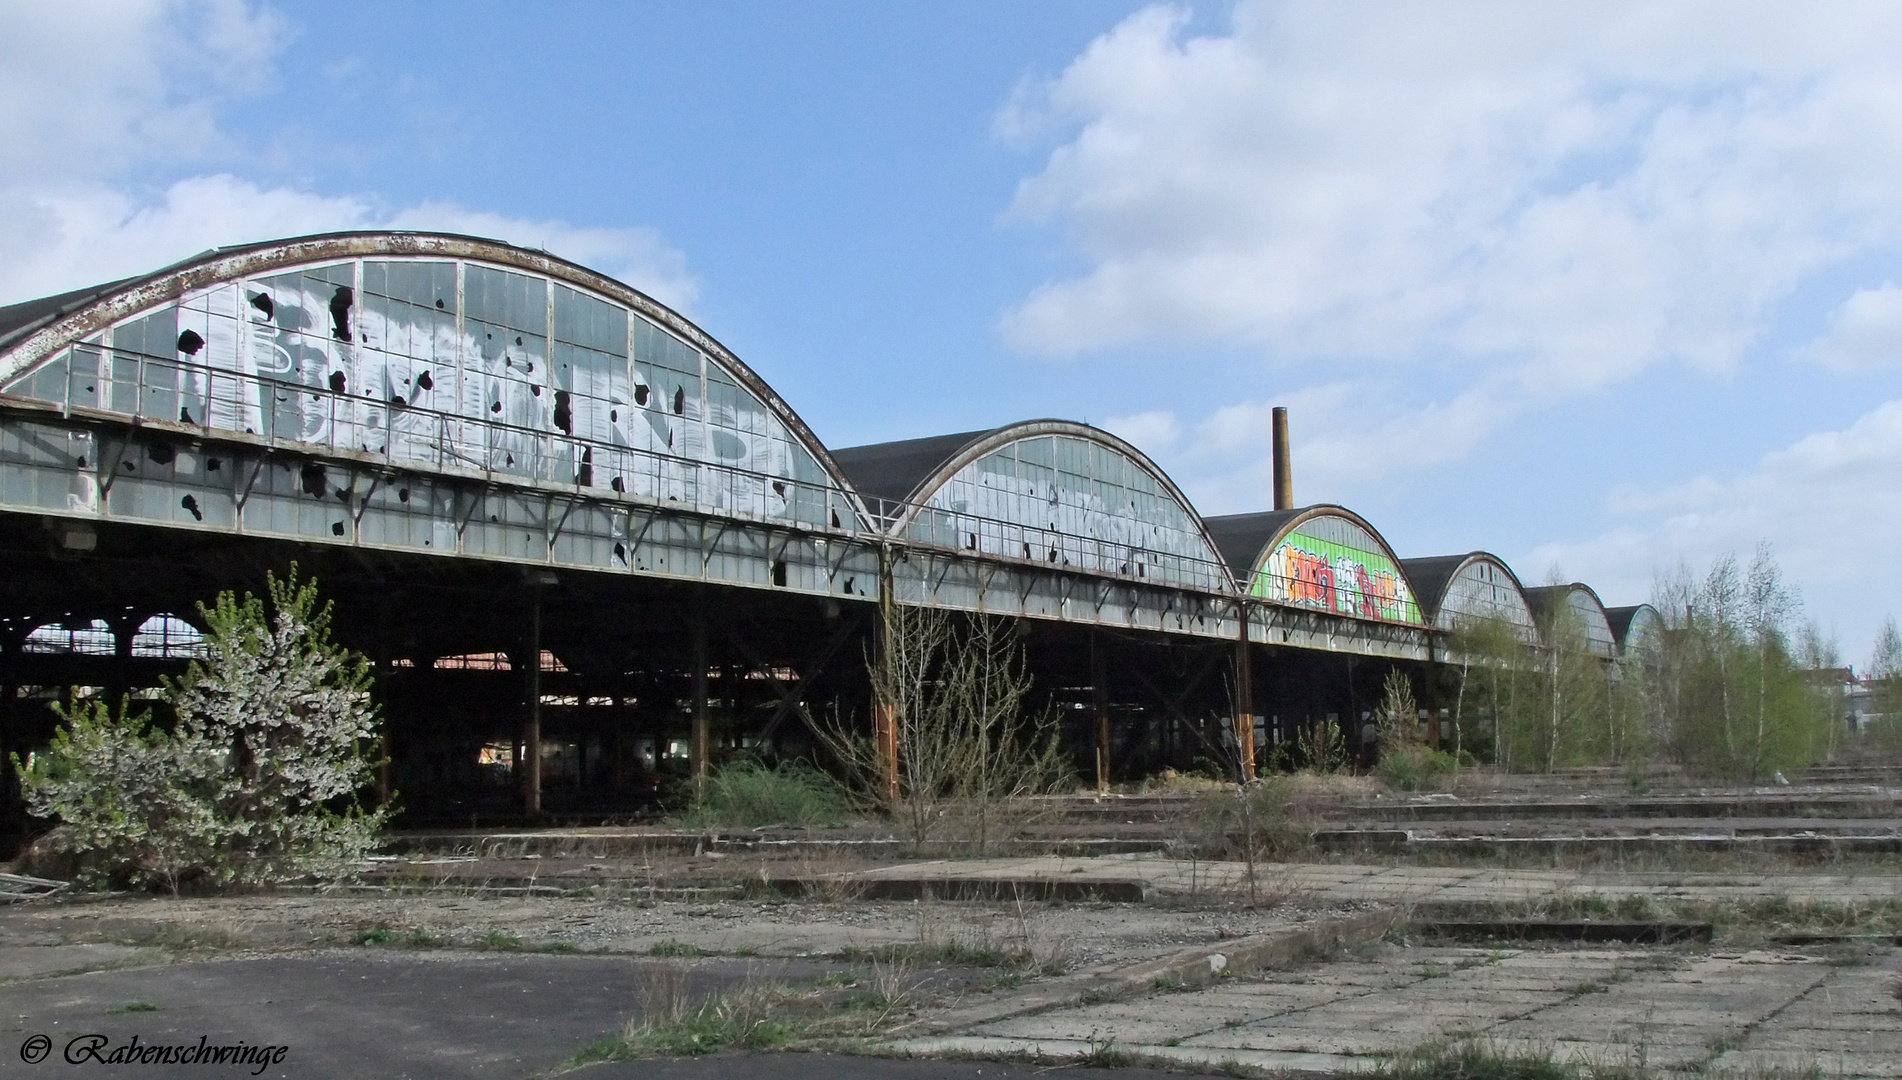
{"x": 1105, "y": 1054}
{"x": 135, "y": 1007}
{"x": 1173, "y": 1040}
{"x": 1168, "y": 983}
{"x": 190, "y": 937}
{"x": 1231, "y": 1067}
{"x": 1413, "y": 768}
{"x": 746, "y": 950}
{"x": 1581, "y": 989}
{"x": 1430, "y": 971}
{"x": 747, "y": 794}
{"x": 1472, "y": 1059}
{"x": 665, "y": 995}
{"x": 671, "y": 947}
{"x": 1636, "y": 907}
{"x": 500, "y": 942}
{"x": 557, "y": 947}
{"x": 1852, "y": 955}
{"x": 744, "y": 1020}
{"x": 420, "y": 938}
{"x": 381, "y": 935}
{"x": 1011, "y": 981}
{"x": 892, "y": 986}
{"x": 962, "y": 954}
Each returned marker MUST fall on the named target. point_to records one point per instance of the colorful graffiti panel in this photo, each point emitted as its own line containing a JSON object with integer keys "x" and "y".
{"x": 1334, "y": 565}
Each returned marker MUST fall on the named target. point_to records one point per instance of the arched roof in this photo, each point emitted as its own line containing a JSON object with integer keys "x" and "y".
{"x": 1320, "y": 556}
{"x": 38, "y": 332}
{"x": 1478, "y": 583}
{"x": 1584, "y": 605}
{"x": 1630, "y": 625}
{"x": 1045, "y": 490}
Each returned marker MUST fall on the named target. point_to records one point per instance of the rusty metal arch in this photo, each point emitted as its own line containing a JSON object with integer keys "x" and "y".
{"x": 1446, "y": 571}
{"x": 998, "y": 438}
{"x": 65, "y": 320}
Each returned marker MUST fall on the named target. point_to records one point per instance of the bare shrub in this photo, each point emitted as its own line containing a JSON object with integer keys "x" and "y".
{"x": 1251, "y": 824}
{"x": 971, "y": 761}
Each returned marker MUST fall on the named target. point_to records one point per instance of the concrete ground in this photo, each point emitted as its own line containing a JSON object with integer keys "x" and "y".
{"x": 842, "y": 1067}
{"x": 1681, "y": 1010}
{"x": 352, "y": 1013}
{"x": 441, "y": 991}
{"x": 1343, "y": 883}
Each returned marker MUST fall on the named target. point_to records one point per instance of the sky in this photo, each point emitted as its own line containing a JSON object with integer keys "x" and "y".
{"x": 1603, "y": 288}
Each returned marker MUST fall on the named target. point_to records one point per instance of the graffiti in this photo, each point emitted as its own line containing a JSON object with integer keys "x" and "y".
{"x": 1335, "y": 577}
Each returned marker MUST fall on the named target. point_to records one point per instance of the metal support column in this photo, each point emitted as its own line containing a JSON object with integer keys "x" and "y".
{"x": 1099, "y": 695}
{"x": 380, "y": 693}
{"x": 532, "y": 720}
{"x": 697, "y": 627}
{"x": 1245, "y": 705}
{"x": 885, "y": 713}
{"x": 119, "y": 688}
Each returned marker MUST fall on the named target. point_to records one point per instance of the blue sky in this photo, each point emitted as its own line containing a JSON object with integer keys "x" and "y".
{"x": 1600, "y": 288}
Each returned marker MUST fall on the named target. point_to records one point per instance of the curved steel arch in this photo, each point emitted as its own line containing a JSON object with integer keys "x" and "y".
{"x": 1437, "y": 580}
{"x": 918, "y": 501}
{"x": 1634, "y": 625}
{"x": 1583, "y": 600}
{"x": 1249, "y": 541}
{"x": 39, "y": 330}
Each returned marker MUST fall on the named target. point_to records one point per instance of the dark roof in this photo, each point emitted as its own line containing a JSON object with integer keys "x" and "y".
{"x": 1542, "y": 597}
{"x": 1620, "y": 619}
{"x": 893, "y": 470}
{"x": 28, "y": 315}
{"x": 1241, "y": 537}
{"x": 1429, "y": 579}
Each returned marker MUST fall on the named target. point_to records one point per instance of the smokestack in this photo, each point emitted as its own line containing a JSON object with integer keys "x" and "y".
{"x": 1284, "y": 483}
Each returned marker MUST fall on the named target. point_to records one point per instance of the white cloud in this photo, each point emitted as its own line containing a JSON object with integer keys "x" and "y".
{"x": 1433, "y": 222}
{"x": 1830, "y": 503}
{"x": 1151, "y": 432}
{"x": 638, "y": 256}
{"x": 1864, "y": 333}
{"x": 1345, "y": 434}
{"x": 73, "y": 238}
{"x": 93, "y": 92}
{"x": 88, "y": 87}
{"x": 1572, "y": 192}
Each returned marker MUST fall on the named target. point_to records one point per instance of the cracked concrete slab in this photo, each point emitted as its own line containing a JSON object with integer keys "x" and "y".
{"x": 1668, "y": 1008}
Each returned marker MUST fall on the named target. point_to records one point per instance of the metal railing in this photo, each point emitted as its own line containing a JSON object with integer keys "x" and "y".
{"x": 280, "y": 411}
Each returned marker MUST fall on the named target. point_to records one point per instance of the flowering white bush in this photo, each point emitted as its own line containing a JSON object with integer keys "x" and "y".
{"x": 257, "y": 781}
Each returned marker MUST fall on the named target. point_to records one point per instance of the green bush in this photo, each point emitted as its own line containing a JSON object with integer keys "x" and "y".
{"x": 1411, "y": 768}
{"x": 257, "y": 781}
{"x": 747, "y": 794}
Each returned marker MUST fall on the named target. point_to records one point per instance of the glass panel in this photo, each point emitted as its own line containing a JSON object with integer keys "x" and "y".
{"x": 1332, "y": 564}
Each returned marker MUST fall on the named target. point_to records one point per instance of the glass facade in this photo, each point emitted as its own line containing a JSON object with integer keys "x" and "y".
{"x": 457, "y": 366}
{"x": 1331, "y": 563}
{"x": 1071, "y": 501}
{"x": 1484, "y": 589}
